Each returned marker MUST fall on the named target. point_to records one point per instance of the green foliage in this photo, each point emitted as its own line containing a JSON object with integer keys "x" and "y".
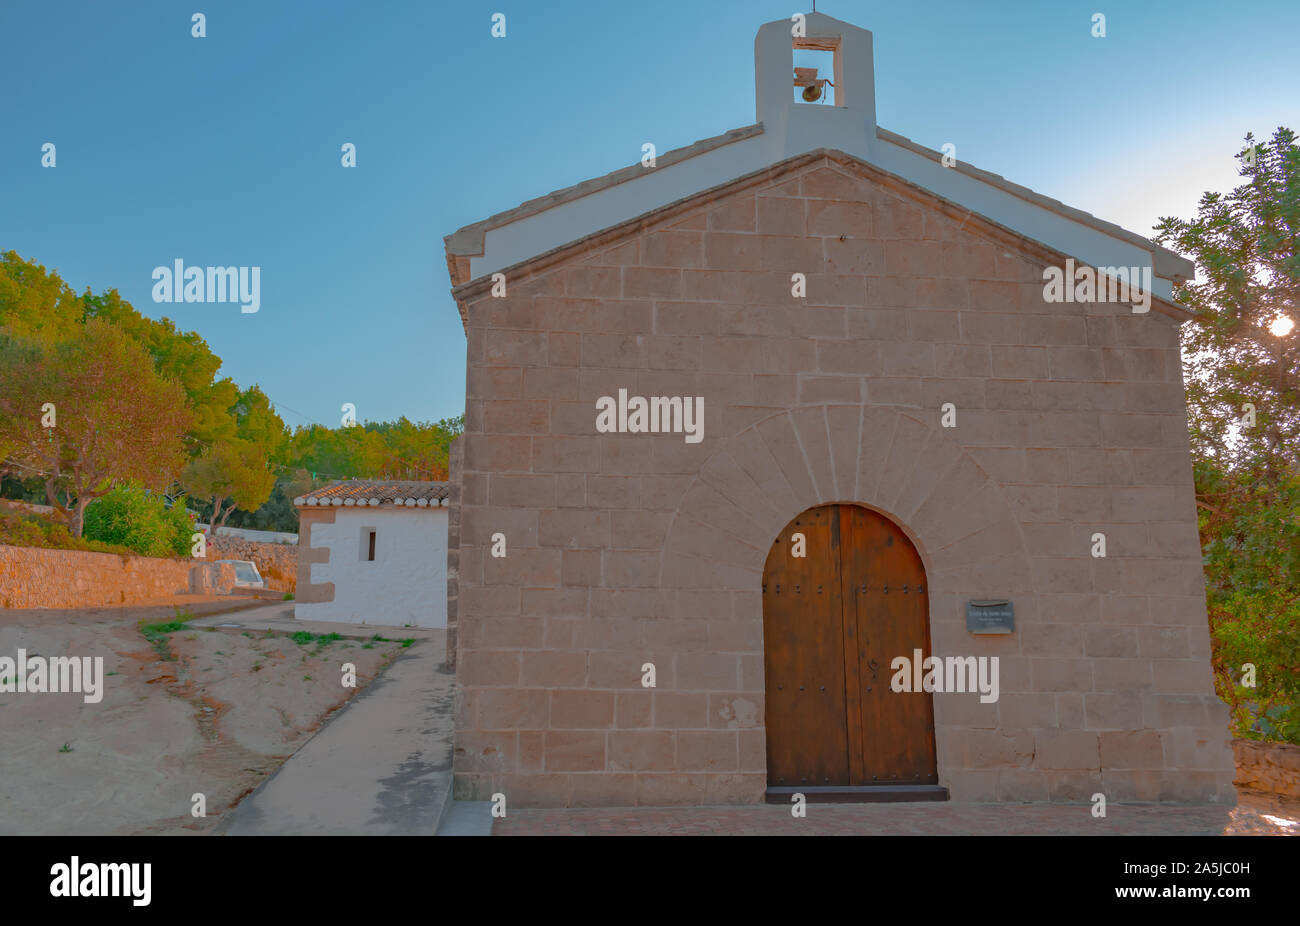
{"x": 303, "y": 637}
{"x": 226, "y": 445}
{"x": 165, "y": 627}
{"x": 399, "y": 449}
{"x": 1246, "y": 245}
{"x": 19, "y": 489}
{"x": 158, "y": 635}
{"x": 32, "y": 531}
{"x": 234, "y": 431}
{"x": 36, "y": 304}
{"x": 1252, "y": 565}
{"x": 376, "y": 450}
{"x": 112, "y": 417}
{"x": 240, "y": 468}
{"x": 140, "y": 521}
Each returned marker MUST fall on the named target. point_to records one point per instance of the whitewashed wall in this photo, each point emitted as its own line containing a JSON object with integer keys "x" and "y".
{"x": 406, "y": 583}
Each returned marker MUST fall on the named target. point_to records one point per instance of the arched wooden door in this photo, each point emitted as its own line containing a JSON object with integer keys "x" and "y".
{"x": 833, "y": 621}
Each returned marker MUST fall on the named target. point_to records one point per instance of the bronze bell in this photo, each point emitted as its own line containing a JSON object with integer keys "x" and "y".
{"x": 812, "y": 93}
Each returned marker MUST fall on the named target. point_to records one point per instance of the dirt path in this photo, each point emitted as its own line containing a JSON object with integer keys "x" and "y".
{"x": 194, "y": 711}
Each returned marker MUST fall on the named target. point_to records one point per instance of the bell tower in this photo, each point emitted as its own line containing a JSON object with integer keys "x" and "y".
{"x": 791, "y": 125}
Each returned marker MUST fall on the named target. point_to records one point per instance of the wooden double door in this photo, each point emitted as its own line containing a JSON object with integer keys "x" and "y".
{"x": 834, "y": 619}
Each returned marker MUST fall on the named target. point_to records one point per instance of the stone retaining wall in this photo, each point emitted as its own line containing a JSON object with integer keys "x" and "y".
{"x": 277, "y": 562}
{"x": 212, "y": 578}
{"x": 1267, "y": 766}
{"x": 32, "y": 577}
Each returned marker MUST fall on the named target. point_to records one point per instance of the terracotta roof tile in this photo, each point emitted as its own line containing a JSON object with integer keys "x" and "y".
{"x": 353, "y": 492}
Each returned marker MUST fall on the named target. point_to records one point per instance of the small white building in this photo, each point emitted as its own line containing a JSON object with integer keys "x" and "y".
{"x": 373, "y": 552}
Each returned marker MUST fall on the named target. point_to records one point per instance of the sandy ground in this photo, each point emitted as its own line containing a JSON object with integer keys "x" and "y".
{"x": 216, "y": 718}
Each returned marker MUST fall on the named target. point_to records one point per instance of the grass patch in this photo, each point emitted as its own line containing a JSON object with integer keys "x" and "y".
{"x": 158, "y": 634}
{"x": 381, "y": 639}
{"x": 288, "y": 596}
{"x": 168, "y": 627}
{"x": 303, "y": 637}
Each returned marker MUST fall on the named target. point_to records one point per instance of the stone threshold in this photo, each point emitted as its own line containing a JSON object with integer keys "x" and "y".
{"x": 860, "y": 794}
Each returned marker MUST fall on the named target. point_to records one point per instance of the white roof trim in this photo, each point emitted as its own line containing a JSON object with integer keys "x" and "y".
{"x": 789, "y": 129}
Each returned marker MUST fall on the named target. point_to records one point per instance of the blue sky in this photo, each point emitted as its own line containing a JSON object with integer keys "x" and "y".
{"x": 225, "y": 150}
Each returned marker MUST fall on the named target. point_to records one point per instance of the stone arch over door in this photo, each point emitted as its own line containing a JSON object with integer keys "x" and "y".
{"x": 960, "y": 522}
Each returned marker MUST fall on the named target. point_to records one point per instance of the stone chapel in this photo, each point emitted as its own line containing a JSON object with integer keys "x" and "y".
{"x": 787, "y": 470}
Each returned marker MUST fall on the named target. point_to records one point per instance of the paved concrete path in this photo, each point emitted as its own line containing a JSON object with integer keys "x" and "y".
{"x": 1254, "y": 816}
{"x": 467, "y": 818}
{"x": 156, "y": 611}
{"x": 381, "y": 766}
{"x": 279, "y": 617}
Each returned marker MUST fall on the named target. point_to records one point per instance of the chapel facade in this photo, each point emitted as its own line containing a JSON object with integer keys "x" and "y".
{"x": 929, "y": 532}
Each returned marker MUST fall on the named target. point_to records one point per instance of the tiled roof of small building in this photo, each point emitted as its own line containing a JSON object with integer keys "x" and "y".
{"x": 354, "y": 492}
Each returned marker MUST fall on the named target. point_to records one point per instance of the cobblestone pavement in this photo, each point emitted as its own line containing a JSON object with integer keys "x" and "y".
{"x": 1255, "y": 815}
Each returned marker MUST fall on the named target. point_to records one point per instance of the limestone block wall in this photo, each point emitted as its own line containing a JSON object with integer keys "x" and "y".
{"x": 39, "y": 578}
{"x": 455, "y": 465}
{"x": 634, "y": 548}
{"x": 309, "y": 552}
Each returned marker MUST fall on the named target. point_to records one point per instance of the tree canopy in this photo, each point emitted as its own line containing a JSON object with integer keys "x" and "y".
{"x": 236, "y": 458}
{"x": 1242, "y": 372}
{"x": 87, "y": 411}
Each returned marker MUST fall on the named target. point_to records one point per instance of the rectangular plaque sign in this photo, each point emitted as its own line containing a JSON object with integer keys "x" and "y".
{"x": 990, "y": 617}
